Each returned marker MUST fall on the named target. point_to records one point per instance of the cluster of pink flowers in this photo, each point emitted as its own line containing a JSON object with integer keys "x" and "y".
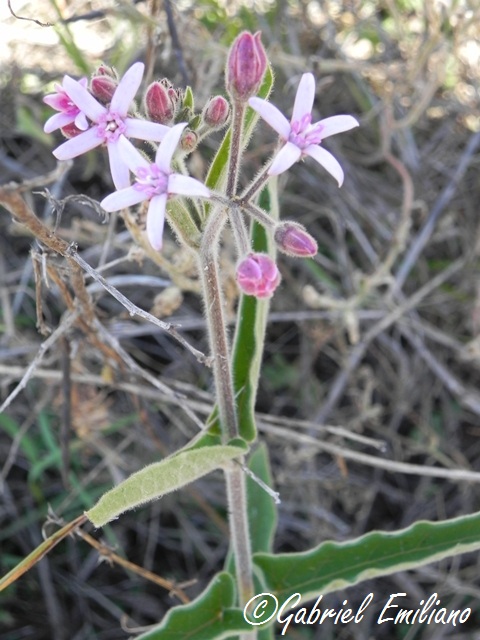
{"x": 111, "y": 126}
{"x": 99, "y": 115}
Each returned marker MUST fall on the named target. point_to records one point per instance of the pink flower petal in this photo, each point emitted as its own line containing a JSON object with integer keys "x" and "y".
{"x": 167, "y": 147}
{"x": 145, "y": 130}
{"x": 79, "y": 144}
{"x": 122, "y": 199}
{"x": 156, "y": 220}
{"x": 186, "y": 186}
{"x": 304, "y": 98}
{"x": 56, "y": 100}
{"x": 79, "y": 95}
{"x": 118, "y": 166}
{"x": 127, "y": 88}
{"x": 272, "y": 116}
{"x": 285, "y": 158}
{"x": 328, "y": 162}
{"x": 337, "y": 124}
{"x": 130, "y": 155}
{"x": 57, "y": 121}
{"x": 81, "y": 121}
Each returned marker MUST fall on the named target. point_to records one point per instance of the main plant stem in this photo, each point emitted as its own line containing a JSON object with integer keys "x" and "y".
{"x": 225, "y": 397}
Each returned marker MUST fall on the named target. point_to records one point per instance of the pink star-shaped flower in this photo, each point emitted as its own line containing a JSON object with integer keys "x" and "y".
{"x": 154, "y": 182}
{"x": 302, "y": 138}
{"x": 69, "y": 112}
{"x": 111, "y": 123}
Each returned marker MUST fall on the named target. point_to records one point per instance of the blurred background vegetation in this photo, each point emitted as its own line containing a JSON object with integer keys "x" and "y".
{"x": 369, "y": 396}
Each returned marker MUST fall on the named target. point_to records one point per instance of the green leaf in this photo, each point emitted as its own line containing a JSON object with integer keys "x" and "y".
{"x": 217, "y": 173}
{"x": 332, "y": 566}
{"x": 262, "y": 512}
{"x": 160, "y": 478}
{"x": 250, "y": 334}
{"x": 251, "y": 326}
{"x": 183, "y": 223}
{"x": 188, "y": 100}
{"x": 209, "y": 617}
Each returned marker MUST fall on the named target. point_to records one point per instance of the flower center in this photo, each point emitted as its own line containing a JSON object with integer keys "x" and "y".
{"x": 151, "y": 180}
{"x": 110, "y": 126}
{"x": 66, "y": 105}
{"x": 303, "y": 133}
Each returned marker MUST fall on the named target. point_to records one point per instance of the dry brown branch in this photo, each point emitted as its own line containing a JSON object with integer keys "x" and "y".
{"x": 11, "y": 199}
{"x": 110, "y": 556}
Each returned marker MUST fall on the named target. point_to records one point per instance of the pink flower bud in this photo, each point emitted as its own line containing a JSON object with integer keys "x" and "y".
{"x": 292, "y": 239}
{"x": 257, "y": 275}
{"x": 246, "y": 65}
{"x": 161, "y": 102}
{"x": 103, "y": 87}
{"x": 189, "y": 140}
{"x": 216, "y": 112}
{"x": 104, "y": 70}
{"x": 70, "y": 130}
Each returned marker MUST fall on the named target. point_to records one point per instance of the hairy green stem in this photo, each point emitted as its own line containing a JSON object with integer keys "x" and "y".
{"x": 237, "y": 503}
{"x": 225, "y": 397}
{"x": 240, "y": 232}
{"x": 216, "y": 323}
{"x": 257, "y": 184}
{"x": 258, "y": 214}
{"x": 235, "y": 148}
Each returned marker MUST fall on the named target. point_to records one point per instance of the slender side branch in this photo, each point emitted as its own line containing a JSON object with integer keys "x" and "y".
{"x": 239, "y": 231}
{"x": 257, "y": 184}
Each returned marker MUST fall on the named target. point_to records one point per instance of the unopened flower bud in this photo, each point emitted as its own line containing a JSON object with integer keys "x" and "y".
{"x": 104, "y": 70}
{"x": 246, "y": 65}
{"x": 189, "y": 140}
{"x": 258, "y": 275}
{"x": 291, "y": 238}
{"x": 216, "y": 112}
{"x": 161, "y": 102}
{"x": 70, "y": 130}
{"x": 103, "y": 87}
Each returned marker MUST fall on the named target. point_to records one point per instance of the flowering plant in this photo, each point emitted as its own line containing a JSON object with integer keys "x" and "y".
{"x": 153, "y": 175}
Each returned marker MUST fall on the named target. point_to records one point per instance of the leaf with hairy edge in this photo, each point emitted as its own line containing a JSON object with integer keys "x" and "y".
{"x": 262, "y": 512}
{"x": 332, "y": 566}
{"x": 160, "y": 478}
{"x": 210, "y": 617}
{"x": 217, "y": 173}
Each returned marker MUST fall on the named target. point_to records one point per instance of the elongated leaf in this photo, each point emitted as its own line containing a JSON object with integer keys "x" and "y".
{"x": 262, "y": 512}
{"x": 160, "y": 478}
{"x": 332, "y": 566}
{"x": 211, "y": 616}
{"x": 251, "y": 326}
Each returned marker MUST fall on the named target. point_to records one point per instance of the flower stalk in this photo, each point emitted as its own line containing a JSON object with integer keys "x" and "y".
{"x": 225, "y": 394}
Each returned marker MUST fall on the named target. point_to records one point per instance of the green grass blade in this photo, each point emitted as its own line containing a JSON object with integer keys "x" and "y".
{"x": 332, "y": 566}
{"x": 68, "y": 41}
